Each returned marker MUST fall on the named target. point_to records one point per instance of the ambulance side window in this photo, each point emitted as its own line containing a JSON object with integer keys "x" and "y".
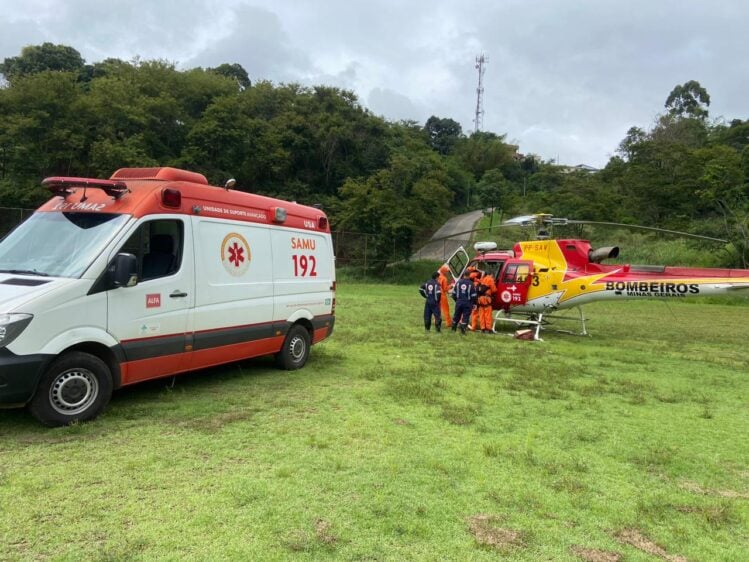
{"x": 157, "y": 245}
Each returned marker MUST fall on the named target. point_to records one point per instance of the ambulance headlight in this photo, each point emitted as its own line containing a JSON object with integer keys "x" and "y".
{"x": 11, "y": 326}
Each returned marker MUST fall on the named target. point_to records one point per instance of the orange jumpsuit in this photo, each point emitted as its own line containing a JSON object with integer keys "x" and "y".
{"x": 485, "y": 303}
{"x": 444, "y": 303}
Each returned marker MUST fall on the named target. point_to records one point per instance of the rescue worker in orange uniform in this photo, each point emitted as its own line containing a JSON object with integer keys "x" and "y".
{"x": 486, "y": 291}
{"x": 445, "y": 287}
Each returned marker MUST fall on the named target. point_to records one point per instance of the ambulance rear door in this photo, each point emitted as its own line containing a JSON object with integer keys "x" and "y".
{"x": 304, "y": 276}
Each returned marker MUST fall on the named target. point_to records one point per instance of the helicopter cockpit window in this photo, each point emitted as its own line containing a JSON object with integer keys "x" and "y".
{"x": 494, "y": 268}
{"x": 509, "y": 275}
{"x": 516, "y": 273}
{"x": 522, "y": 273}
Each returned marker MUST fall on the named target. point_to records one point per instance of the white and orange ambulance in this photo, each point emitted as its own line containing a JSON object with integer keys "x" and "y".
{"x": 152, "y": 273}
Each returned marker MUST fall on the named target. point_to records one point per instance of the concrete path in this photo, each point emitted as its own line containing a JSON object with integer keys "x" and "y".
{"x": 440, "y": 250}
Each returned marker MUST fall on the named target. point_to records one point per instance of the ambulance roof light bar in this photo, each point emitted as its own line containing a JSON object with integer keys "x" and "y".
{"x": 62, "y": 186}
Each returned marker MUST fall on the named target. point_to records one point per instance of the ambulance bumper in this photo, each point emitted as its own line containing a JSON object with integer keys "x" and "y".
{"x": 19, "y": 375}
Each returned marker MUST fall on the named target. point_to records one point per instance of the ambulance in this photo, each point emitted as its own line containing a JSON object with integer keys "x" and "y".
{"x": 153, "y": 273}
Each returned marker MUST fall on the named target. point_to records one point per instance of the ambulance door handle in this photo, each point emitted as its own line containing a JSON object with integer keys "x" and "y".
{"x": 177, "y": 294}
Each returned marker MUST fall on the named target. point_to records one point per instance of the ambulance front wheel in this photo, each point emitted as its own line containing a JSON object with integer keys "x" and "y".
{"x": 76, "y": 387}
{"x": 295, "y": 350}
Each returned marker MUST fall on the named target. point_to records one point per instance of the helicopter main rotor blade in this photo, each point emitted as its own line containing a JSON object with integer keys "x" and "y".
{"x": 651, "y": 228}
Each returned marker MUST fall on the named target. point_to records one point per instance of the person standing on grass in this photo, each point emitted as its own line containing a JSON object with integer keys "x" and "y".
{"x": 432, "y": 292}
{"x": 464, "y": 294}
{"x": 445, "y": 287}
{"x": 475, "y": 277}
{"x": 486, "y": 290}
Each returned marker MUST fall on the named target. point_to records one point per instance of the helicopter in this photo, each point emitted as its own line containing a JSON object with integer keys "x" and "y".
{"x": 537, "y": 278}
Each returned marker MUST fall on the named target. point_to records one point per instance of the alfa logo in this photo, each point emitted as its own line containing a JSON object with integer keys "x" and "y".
{"x": 235, "y": 254}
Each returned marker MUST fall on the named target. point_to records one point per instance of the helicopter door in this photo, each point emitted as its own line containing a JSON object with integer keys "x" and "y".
{"x": 458, "y": 262}
{"x": 513, "y": 284}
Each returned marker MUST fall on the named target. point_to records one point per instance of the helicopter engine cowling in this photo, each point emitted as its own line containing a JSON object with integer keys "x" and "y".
{"x": 605, "y": 253}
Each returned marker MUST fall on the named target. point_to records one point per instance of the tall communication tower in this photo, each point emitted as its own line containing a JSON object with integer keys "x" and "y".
{"x": 481, "y": 60}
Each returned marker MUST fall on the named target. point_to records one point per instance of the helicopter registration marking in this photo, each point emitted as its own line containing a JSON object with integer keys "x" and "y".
{"x": 535, "y": 247}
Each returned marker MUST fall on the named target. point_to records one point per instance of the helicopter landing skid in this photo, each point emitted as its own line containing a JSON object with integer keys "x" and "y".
{"x": 542, "y": 321}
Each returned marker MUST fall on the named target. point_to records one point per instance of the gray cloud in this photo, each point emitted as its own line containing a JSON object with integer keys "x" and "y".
{"x": 394, "y": 105}
{"x": 564, "y": 78}
{"x": 256, "y": 38}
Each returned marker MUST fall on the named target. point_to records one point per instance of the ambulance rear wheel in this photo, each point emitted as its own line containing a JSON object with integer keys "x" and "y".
{"x": 76, "y": 387}
{"x": 295, "y": 350}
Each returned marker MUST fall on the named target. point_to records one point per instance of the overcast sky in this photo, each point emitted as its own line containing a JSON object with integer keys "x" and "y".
{"x": 565, "y": 79}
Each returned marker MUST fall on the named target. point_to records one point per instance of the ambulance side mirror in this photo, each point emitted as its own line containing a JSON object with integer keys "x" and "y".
{"x": 125, "y": 270}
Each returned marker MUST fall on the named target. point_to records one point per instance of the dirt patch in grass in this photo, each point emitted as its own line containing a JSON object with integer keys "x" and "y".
{"x": 302, "y": 540}
{"x": 716, "y": 515}
{"x": 487, "y": 532}
{"x": 458, "y": 414}
{"x": 697, "y": 489}
{"x": 595, "y": 555}
{"x": 323, "y": 532}
{"x": 216, "y": 422}
{"x": 635, "y": 538}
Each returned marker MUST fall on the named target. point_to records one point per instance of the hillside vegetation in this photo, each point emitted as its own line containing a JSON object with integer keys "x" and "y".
{"x": 394, "y": 181}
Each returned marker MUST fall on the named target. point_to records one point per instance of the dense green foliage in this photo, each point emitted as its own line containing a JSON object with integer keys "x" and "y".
{"x": 396, "y": 181}
{"x": 453, "y": 448}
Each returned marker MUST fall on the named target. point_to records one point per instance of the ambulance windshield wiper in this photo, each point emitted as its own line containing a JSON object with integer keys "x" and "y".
{"x": 25, "y": 272}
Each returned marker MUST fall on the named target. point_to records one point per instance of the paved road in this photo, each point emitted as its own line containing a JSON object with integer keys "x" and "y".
{"x": 440, "y": 250}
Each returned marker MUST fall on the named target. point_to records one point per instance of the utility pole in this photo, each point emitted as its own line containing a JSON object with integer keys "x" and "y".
{"x": 481, "y": 60}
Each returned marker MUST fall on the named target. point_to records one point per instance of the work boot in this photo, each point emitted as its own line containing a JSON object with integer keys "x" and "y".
{"x": 438, "y": 328}
{"x": 462, "y": 330}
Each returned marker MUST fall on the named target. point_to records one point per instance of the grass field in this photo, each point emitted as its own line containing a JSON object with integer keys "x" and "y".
{"x": 396, "y": 445}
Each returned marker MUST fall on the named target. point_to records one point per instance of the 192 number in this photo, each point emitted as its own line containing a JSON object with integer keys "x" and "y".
{"x": 304, "y": 266}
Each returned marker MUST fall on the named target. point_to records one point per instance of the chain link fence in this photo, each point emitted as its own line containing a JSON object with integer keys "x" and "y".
{"x": 10, "y": 217}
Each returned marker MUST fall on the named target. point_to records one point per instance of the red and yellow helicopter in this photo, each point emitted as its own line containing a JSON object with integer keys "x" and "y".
{"x": 537, "y": 278}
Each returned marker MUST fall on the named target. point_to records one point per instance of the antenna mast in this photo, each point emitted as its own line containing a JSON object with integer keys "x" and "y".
{"x": 481, "y": 60}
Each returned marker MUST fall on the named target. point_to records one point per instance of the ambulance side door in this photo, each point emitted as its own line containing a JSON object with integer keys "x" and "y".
{"x": 233, "y": 313}
{"x": 150, "y": 319}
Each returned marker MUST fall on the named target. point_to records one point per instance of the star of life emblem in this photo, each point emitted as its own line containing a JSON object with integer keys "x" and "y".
{"x": 235, "y": 254}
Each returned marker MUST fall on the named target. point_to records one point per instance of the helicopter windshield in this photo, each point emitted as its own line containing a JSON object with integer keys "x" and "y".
{"x": 489, "y": 267}
{"x": 58, "y": 244}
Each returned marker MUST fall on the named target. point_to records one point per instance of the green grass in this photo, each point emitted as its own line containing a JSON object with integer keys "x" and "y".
{"x": 396, "y": 445}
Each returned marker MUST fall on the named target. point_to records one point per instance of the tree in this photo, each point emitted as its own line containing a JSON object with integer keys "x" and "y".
{"x": 397, "y": 203}
{"x": 484, "y": 151}
{"x": 492, "y": 190}
{"x": 632, "y": 143}
{"x": 42, "y": 58}
{"x": 688, "y": 100}
{"x": 234, "y": 71}
{"x": 442, "y": 134}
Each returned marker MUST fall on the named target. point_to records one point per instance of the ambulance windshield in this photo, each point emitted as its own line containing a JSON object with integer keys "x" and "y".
{"x": 58, "y": 244}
